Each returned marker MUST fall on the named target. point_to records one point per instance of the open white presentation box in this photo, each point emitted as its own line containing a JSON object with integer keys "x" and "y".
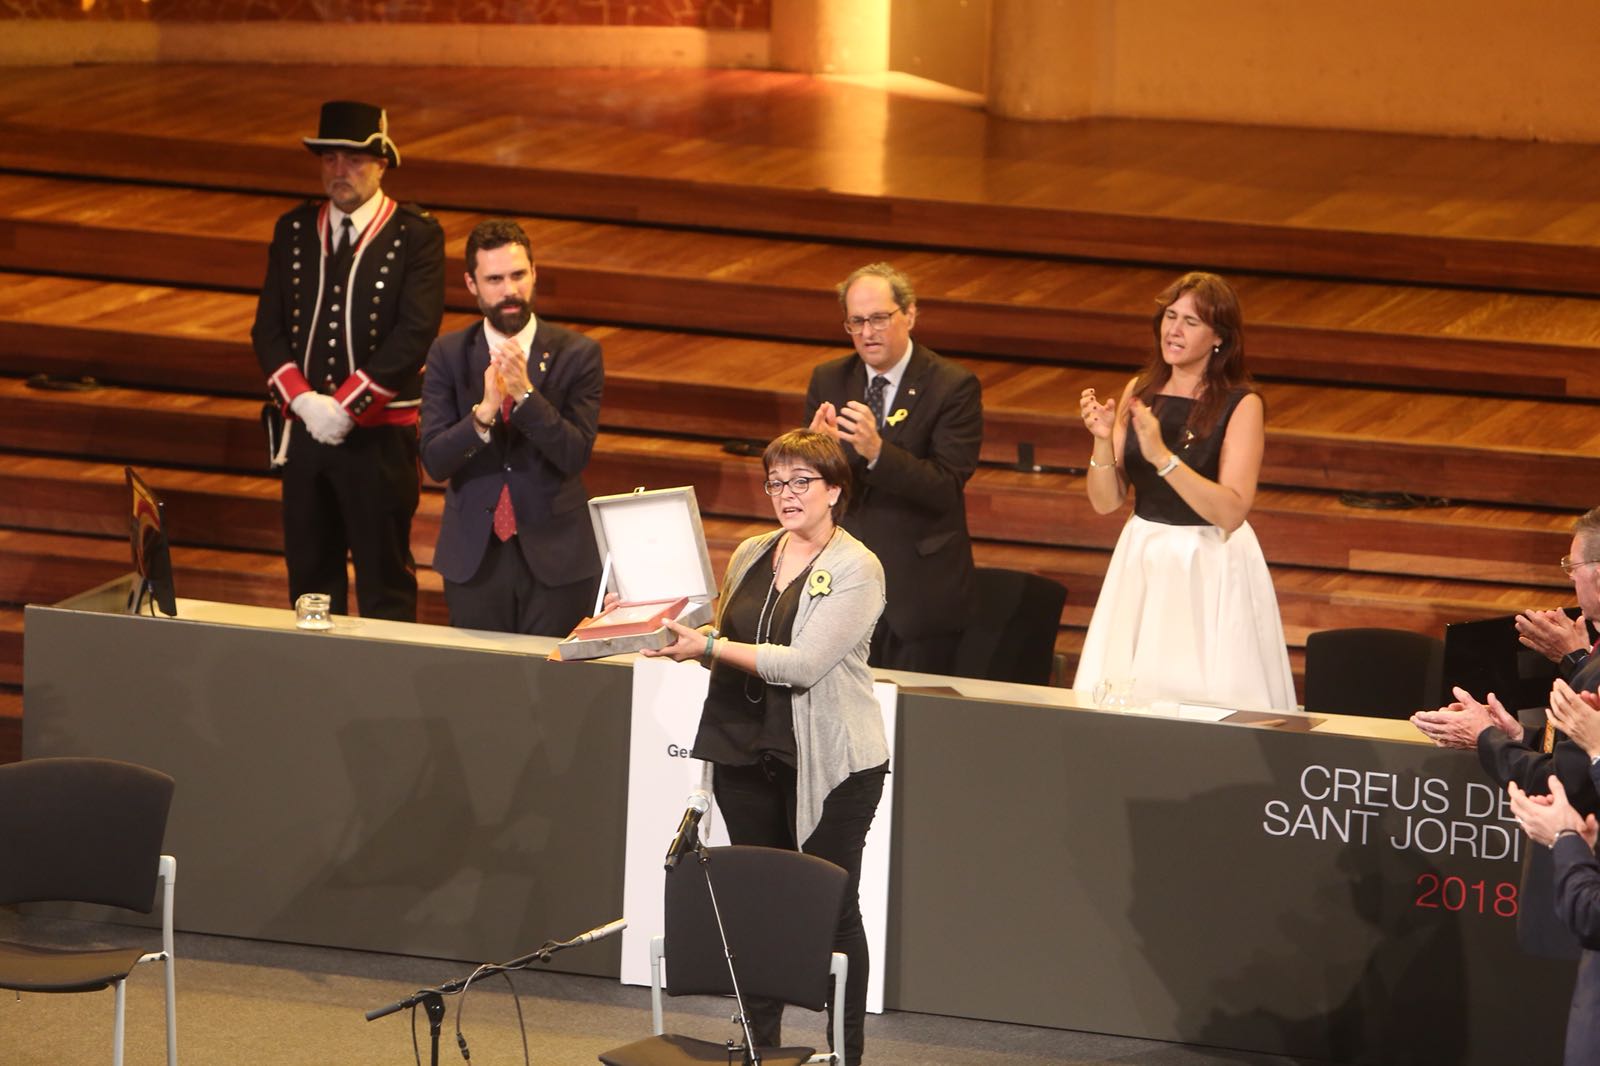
{"x": 655, "y": 548}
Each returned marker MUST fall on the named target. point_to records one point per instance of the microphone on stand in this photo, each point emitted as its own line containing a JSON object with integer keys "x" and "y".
{"x": 688, "y": 829}
{"x": 599, "y": 932}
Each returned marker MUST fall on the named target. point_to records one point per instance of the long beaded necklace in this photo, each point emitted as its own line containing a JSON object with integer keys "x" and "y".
{"x": 769, "y": 607}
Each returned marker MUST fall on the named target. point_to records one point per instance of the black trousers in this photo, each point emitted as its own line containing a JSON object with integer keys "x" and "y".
{"x": 356, "y": 498}
{"x": 505, "y": 597}
{"x": 758, "y": 803}
{"x": 933, "y": 654}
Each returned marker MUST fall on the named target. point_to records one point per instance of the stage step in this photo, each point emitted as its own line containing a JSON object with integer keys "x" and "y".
{"x": 1296, "y": 527}
{"x": 10, "y": 645}
{"x": 765, "y": 152}
{"x": 10, "y": 724}
{"x": 234, "y": 517}
{"x": 1455, "y": 340}
{"x": 1493, "y": 449}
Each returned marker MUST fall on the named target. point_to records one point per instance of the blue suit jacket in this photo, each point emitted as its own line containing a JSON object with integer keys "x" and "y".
{"x": 540, "y": 453}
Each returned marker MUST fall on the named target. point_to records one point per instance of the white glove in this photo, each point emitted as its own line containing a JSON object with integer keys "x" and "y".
{"x": 323, "y": 416}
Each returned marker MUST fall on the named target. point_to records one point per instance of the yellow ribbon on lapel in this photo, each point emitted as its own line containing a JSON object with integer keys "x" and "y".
{"x": 898, "y": 417}
{"x": 821, "y": 583}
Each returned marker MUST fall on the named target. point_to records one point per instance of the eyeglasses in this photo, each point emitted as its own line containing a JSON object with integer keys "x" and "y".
{"x": 799, "y": 483}
{"x": 879, "y": 322}
{"x": 1569, "y": 564}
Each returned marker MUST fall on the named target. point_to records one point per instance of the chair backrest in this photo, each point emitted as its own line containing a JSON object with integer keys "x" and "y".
{"x": 780, "y": 909}
{"x": 1011, "y": 635}
{"x": 82, "y": 830}
{"x": 1382, "y": 673}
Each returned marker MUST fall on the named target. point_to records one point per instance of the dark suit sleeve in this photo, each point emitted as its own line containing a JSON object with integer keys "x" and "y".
{"x": 1585, "y": 676}
{"x": 1577, "y": 883}
{"x": 565, "y": 434}
{"x": 270, "y": 334}
{"x": 420, "y": 306}
{"x": 449, "y": 437}
{"x": 813, "y": 398}
{"x": 1506, "y": 760}
{"x": 935, "y": 483}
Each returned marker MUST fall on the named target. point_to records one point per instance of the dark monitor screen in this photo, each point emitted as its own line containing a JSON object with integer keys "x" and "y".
{"x": 1485, "y": 656}
{"x": 152, "y": 559}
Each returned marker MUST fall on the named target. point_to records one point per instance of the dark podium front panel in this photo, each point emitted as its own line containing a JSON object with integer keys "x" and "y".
{"x": 1327, "y": 888}
{"x": 1328, "y": 896}
{"x": 393, "y": 792}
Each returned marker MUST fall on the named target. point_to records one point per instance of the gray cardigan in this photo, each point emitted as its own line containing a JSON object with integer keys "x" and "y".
{"x": 838, "y": 726}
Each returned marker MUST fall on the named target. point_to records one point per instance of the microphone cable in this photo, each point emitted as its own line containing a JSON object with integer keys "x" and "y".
{"x": 516, "y": 1000}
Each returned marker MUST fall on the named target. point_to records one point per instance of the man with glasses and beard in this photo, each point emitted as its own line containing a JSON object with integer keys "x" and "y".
{"x": 510, "y": 408}
{"x": 353, "y": 296}
{"x": 911, "y": 424}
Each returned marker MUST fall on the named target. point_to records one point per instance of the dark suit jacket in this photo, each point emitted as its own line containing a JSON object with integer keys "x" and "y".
{"x": 540, "y": 453}
{"x": 910, "y": 508}
{"x": 1525, "y": 763}
{"x": 1538, "y": 931}
{"x": 1577, "y": 893}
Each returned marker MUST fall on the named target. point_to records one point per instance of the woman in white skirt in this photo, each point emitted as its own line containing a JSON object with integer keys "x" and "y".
{"x": 1187, "y": 612}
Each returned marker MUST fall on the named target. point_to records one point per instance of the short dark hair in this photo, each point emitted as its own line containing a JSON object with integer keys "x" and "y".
{"x": 820, "y": 452}
{"x": 494, "y": 233}
{"x": 905, "y": 297}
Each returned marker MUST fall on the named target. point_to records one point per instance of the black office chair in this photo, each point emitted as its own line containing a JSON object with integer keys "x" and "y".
{"x": 86, "y": 831}
{"x": 1380, "y": 673}
{"x": 1011, "y": 635}
{"x": 780, "y": 910}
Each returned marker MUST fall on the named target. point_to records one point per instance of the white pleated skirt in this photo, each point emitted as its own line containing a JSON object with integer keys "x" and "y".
{"x": 1187, "y": 613}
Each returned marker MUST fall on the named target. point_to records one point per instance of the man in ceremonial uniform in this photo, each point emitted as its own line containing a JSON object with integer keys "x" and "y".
{"x": 510, "y": 409}
{"x": 911, "y": 423}
{"x": 353, "y": 297}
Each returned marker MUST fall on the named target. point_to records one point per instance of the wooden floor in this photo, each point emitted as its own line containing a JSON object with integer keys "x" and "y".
{"x": 1421, "y": 311}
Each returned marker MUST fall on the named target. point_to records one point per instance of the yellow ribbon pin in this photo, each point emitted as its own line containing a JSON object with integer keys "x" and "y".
{"x": 821, "y": 583}
{"x": 898, "y": 417}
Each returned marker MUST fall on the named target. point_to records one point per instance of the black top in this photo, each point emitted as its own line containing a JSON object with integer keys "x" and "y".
{"x": 744, "y": 717}
{"x": 1154, "y": 499}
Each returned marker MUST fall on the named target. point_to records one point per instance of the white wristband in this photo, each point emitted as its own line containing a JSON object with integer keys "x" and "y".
{"x": 1169, "y": 466}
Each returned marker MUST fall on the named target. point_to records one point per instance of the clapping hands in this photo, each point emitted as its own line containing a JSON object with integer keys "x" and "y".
{"x": 1577, "y": 714}
{"x": 1099, "y": 418}
{"x": 1457, "y": 725}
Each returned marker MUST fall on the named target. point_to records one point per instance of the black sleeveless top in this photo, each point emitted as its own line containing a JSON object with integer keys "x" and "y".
{"x": 1154, "y": 499}
{"x": 744, "y": 717}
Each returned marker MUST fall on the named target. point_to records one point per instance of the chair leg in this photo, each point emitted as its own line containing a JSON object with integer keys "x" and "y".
{"x": 839, "y": 970}
{"x": 120, "y": 991}
{"x": 170, "y": 964}
{"x": 168, "y": 873}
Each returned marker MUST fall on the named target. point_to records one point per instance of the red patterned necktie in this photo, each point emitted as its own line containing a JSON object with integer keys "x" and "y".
{"x": 505, "y": 519}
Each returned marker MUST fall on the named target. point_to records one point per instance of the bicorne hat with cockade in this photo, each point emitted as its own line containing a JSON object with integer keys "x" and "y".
{"x": 355, "y": 127}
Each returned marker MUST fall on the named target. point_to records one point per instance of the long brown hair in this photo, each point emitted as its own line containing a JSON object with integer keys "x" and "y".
{"x": 1218, "y": 307}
